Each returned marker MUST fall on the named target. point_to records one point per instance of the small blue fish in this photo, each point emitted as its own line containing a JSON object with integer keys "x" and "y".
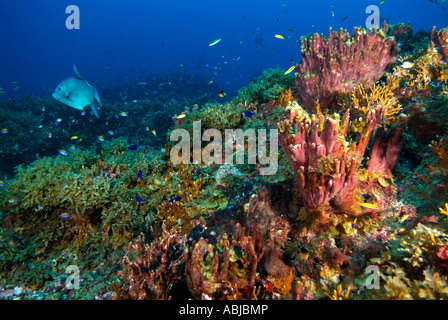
{"x": 63, "y": 152}
{"x": 139, "y": 174}
{"x": 101, "y": 138}
{"x": 174, "y": 199}
{"x": 132, "y": 147}
{"x": 138, "y": 199}
{"x": 64, "y": 215}
{"x": 248, "y": 114}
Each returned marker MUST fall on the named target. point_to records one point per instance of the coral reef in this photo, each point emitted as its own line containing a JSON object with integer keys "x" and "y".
{"x": 361, "y": 184}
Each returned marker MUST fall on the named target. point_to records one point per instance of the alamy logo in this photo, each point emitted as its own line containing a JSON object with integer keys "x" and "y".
{"x": 72, "y": 281}
{"x": 73, "y": 20}
{"x": 373, "y": 20}
{"x": 373, "y": 280}
{"x": 234, "y": 146}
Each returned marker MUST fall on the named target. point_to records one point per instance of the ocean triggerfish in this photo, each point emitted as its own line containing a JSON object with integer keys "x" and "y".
{"x": 77, "y": 93}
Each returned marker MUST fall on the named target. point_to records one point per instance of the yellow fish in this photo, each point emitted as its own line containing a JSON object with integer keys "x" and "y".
{"x": 74, "y": 138}
{"x": 368, "y": 205}
{"x": 404, "y": 218}
{"x": 279, "y": 36}
{"x": 290, "y": 70}
{"x": 183, "y": 115}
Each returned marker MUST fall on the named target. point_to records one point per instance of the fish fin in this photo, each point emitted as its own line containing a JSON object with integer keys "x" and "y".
{"x": 78, "y": 75}
{"x": 96, "y": 95}
{"x": 95, "y": 112}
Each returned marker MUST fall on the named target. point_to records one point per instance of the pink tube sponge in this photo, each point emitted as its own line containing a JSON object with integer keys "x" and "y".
{"x": 340, "y": 62}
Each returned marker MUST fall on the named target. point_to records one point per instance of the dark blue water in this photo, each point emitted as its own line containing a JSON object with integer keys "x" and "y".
{"x": 121, "y": 41}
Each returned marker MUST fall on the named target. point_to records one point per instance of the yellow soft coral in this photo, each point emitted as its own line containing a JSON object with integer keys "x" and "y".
{"x": 444, "y": 211}
{"x": 338, "y": 294}
{"x": 439, "y": 149}
{"x": 285, "y": 97}
{"x": 377, "y": 97}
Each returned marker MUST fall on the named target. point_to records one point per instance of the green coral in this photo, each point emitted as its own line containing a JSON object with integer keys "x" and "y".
{"x": 215, "y": 116}
{"x": 93, "y": 190}
{"x": 410, "y": 265}
{"x": 267, "y": 87}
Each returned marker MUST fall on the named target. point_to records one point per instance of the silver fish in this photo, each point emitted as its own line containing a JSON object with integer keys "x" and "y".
{"x": 15, "y": 200}
{"x": 77, "y": 93}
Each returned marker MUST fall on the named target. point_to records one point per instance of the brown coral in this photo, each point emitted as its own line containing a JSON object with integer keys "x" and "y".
{"x": 209, "y": 269}
{"x": 156, "y": 268}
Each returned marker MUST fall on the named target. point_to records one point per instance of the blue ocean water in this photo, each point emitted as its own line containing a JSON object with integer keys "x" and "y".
{"x": 121, "y": 41}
